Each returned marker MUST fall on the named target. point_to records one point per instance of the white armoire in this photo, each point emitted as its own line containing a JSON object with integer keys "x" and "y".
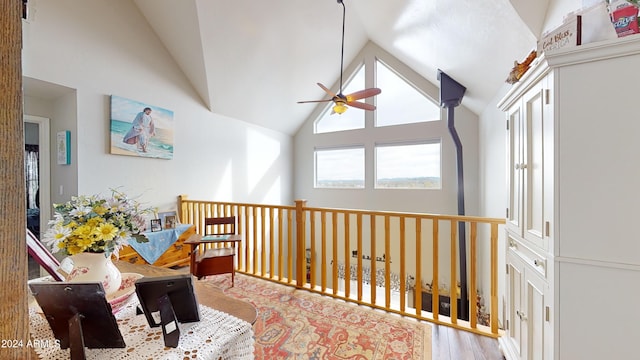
{"x": 573, "y": 255}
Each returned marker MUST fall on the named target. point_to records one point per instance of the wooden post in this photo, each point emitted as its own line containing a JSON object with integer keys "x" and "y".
{"x": 301, "y": 275}
{"x": 181, "y": 211}
{"x": 14, "y": 323}
{"x": 494, "y": 279}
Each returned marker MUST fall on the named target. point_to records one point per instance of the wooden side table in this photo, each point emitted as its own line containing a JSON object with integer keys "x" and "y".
{"x": 176, "y": 255}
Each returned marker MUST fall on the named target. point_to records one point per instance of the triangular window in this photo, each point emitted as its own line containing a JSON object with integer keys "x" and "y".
{"x": 400, "y": 102}
{"x": 352, "y": 118}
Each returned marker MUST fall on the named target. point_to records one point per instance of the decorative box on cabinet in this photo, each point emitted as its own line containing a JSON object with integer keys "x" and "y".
{"x": 177, "y": 254}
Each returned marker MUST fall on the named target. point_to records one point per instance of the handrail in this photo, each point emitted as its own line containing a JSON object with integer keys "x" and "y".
{"x": 388, "y": 257}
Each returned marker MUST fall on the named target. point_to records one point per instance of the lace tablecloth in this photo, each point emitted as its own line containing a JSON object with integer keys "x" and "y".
{"x": 217, "y": 335}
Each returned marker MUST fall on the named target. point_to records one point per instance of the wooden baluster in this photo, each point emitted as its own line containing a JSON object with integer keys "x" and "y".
{"x": 417, "y": 290}
{"x": 453, "y": 286}
{"x": 334, "y": 238}
{"x": 473, "y": 287}
{"x": 323, "y": 251}
{"x": 403, "y": 271}
{"x": 372, "y": 261}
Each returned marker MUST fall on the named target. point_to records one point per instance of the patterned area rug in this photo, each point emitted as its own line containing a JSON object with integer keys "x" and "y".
{"x": 296, "y": 324}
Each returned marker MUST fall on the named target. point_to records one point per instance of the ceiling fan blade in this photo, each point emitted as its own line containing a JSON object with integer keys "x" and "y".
{"x": 313, "y": 101}
{"x": 326, "y": 89}
{"x": 363, "y": 94}
{"x": 361, "y": 105}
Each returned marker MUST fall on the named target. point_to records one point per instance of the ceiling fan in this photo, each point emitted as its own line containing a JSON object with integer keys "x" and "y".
{"x": 343, "y": 101}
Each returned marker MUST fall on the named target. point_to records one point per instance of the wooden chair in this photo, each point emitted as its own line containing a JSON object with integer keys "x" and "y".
{"x": 209, "y": 260}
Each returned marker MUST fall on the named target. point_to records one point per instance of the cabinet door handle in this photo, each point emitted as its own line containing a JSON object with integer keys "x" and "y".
{"x": 521, "y": 315}
{"x": 547, "y": 227}
{"x": 512, "y": 244}
{"x": 537, "y": 262}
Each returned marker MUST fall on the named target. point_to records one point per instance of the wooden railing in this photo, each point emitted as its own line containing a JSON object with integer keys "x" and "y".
{"x": 391, "y": 255}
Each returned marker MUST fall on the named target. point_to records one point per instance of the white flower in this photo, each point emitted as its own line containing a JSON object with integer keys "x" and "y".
{"x": 55, "y": 235}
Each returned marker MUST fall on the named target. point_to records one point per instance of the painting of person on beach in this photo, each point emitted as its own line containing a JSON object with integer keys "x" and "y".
{"x": 139, "y": 129}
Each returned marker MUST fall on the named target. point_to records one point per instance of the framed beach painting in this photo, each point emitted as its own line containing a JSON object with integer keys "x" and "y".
{"x": 139, "y": 129}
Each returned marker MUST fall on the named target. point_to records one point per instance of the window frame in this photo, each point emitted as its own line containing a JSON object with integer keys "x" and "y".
{"x": 436, "y": 106}
{"x": 338, "y": 148}
{"x": 376, "y": 166}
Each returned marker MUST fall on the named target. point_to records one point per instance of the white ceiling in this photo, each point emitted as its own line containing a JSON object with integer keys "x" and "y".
{"x": 253, "y": 60}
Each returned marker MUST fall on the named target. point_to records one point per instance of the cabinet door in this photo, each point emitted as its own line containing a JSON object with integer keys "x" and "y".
{"x": 516, "y": 330}
{"x": 529, "y": 328}
{"x": 535, "y": 121}
{"x": 530, "y": 157}
{"x": 534, "y": 314}
{"x": 515, "y": 157}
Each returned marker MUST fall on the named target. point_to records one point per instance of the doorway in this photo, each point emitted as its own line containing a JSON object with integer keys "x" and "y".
{"x": 37, "y": 148}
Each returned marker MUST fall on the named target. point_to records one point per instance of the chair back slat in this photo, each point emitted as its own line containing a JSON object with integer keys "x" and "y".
{"x": 221, "y": 225}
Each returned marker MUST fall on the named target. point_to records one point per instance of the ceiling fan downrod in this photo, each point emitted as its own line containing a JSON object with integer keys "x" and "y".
{"x": 344, "y": 11}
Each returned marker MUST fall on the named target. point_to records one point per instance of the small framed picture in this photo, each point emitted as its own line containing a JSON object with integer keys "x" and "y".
{"x": 63, "y": 139}
{"x": 169, "y": 219}
{"x": 170, "y": 222}
{"x": 156, "y": 225}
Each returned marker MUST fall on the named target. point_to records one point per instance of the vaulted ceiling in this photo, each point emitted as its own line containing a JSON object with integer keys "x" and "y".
{"x": 253, "y": 60}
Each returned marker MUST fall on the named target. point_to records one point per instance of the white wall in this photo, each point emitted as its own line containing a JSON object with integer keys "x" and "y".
{"x": 102, "y": 47}
{"x": 493, "y": 182}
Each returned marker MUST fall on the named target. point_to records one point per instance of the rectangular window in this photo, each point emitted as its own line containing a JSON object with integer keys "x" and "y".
{"x": 408, "y": 166}
{"x": 340, "y": 168}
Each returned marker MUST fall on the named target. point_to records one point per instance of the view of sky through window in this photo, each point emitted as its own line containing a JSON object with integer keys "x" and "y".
{"x": 399, "y": 102}
{"x": 350, "y": 119}
{"x": 408, "y": 166}
{"x": 340, "y": 168}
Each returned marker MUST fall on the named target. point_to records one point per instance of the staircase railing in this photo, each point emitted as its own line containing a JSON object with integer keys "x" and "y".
{"x": 399, "y": 262}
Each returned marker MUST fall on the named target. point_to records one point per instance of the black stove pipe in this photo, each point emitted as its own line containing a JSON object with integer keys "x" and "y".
{"x": 451, "y": 93}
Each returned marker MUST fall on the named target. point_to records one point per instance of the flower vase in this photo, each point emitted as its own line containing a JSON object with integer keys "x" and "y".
{"x": 95, "y": 267}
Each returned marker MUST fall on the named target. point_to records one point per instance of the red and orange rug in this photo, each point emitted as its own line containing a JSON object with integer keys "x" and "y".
{"x": 296, "y": 324}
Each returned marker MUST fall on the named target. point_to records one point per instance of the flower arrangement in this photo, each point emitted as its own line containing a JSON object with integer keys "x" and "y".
{"x": 95, "y": 224}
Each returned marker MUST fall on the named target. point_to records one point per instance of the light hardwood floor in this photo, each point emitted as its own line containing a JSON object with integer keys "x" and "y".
{"x": 452, "y": 344}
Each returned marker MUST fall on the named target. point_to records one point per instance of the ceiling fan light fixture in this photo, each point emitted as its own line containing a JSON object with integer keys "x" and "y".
{"x": 339, "y": 108}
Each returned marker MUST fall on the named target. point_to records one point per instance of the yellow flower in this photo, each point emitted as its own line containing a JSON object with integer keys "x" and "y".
{"x": 73, "y": 249}
{"x": 100, "y": 210}
{"x": 106, "y": 231}
{"x": 83, "y": 231}
{"x": 84, "y": 242}
{"x": 93, "y": 222}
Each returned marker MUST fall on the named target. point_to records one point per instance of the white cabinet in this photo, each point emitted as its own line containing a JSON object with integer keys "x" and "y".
{"x": 573, "y": 174}
{"x": 530, "y": 180}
